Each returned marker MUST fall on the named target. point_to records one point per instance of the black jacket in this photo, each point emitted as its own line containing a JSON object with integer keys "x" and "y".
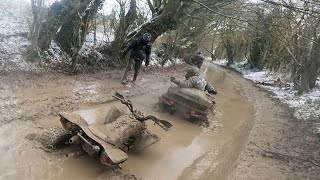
{"x": 140, "y": 50}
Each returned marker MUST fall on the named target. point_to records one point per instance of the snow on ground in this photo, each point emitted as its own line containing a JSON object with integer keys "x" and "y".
{"x": 306, "y": 106}
{"x": 13, "y": 20}
{"x": 156, "y": 61}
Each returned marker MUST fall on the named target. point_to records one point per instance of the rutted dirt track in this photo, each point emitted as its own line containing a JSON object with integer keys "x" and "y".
{"x": 246, "y": 123}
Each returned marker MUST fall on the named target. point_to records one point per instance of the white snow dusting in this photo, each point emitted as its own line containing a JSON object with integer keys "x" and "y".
{"x": 306, "y": 106}
{"x": 13, "y": 41}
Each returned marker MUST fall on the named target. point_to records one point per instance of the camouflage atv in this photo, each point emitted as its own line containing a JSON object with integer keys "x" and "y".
{"x": 106, "y": 133}
{"x": 191, "y": 103}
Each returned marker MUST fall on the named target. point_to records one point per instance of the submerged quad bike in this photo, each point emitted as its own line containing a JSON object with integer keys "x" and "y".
{"x": 105, "y": 133}
{"x": 191, "y": 103}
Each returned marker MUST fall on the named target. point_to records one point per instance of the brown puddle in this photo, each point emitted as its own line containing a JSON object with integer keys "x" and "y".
{"x": 187, "y": 151}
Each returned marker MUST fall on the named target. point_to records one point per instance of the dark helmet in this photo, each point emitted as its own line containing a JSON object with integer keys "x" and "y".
{"x": 146, "y": 37}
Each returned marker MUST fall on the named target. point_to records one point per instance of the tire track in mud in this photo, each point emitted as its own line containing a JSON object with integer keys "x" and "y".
{"x": 237, "y": 120}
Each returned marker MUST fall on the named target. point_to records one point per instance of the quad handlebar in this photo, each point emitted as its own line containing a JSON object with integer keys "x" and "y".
{"x": 140, "y": 116}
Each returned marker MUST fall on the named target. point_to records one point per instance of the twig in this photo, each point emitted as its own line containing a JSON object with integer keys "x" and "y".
{"x": 207, "y": 50}
{"x": 273, "y": 84}
{"x": 240, "y": 20}
{"x": 300, "y": 10}
{"x": 283, "y": 157}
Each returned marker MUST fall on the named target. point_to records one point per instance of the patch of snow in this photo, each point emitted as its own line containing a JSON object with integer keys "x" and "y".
{"x": 56, "y": 53}
{"x": 13, "y": 20}
{"x": 306, "y": 106}
{"x": 178, "y": 61}
{"x": 156, "y": 61}
{"x": 13, "y": 17}
{"x": 264, "y": 76}
{"x": 222, "y": 62}
{"x": 12, "y": 54}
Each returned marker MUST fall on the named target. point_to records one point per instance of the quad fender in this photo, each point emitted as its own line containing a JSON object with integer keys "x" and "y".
{"x": 116, "y": 155}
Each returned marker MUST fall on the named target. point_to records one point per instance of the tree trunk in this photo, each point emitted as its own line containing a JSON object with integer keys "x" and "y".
{"x": 73, "y": 32}
{"x": 124, "y": 24}
{"x": 311, "y": 69}
{"x": 95, "y": 32}
{"x": 37, "y": 8}
{"x": 258, "y": 48}
{"x": 299, "y": 55}
{"x": 167, "y": 20}
{"x": 264, "y": 55}
{"x": 212, "y": 53}
{"x": 59, "y": 13}
{"x": 259, "y": 44}
{"x": 156, "y": 27}
{"x": 230, "y": 52}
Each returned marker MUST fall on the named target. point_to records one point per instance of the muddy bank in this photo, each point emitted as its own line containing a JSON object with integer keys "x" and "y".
{"x": 33, "y": 96}
{"x": 246, "y": 122}
{"x": 292, "y": 144}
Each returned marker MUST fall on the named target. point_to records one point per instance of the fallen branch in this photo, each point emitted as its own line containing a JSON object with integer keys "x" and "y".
{"x": 273, "y": 84}
{"x": 208, "y": 50}
{"x": 284, "y": 157}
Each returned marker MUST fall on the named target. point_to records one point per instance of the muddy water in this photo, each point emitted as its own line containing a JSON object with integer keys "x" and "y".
{"x": 186, "y": 152}
{"x": 191, "y": 152}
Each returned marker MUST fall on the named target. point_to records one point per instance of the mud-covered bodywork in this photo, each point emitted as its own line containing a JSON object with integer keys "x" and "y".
{"x": 192, "y": 103}
{"x": 107, "y": 133}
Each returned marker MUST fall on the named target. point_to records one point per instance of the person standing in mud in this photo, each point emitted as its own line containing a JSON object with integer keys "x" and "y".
{"x": 194, "y": 80}
{"x": 196, "y": 59}
{"x": 140, "y": 51}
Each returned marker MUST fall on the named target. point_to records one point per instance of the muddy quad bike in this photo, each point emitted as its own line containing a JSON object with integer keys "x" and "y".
{"x": 191, "y": 103}
{"x": 105, "y": 133}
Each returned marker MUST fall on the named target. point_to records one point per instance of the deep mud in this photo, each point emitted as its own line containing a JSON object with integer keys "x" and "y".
{"x": 246, "y": 122}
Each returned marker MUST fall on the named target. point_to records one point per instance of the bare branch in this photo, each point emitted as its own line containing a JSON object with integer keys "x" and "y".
{"x": 151, "y": 7}
{"x": 301, "y": 10}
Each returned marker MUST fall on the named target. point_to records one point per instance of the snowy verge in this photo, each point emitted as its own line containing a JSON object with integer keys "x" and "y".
{"x": 158, "y": 61}
{"x": 306, "y": 106}
{"x": 13, "y": 43}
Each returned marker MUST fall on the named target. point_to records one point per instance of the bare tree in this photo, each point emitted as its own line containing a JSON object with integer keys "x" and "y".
{"x": 125, "y": 21}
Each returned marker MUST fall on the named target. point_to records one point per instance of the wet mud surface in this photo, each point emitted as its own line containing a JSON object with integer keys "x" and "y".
{"x": 229, "y": 149}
